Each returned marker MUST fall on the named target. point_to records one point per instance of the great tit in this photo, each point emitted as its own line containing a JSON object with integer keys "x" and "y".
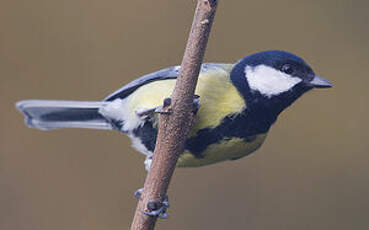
{"x": 238, "y": 104}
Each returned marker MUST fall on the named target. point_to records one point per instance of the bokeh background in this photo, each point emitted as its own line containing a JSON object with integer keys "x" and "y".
{"x": 312, "y": 172}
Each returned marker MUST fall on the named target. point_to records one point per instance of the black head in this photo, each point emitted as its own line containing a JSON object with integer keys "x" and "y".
{"x": 272, "y": 80}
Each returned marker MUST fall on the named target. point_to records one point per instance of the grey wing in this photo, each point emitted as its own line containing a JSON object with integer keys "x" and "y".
{"x": 164, "y": 74}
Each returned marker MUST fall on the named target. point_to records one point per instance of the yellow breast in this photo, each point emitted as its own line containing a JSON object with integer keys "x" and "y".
{"x": 225, "y": 150}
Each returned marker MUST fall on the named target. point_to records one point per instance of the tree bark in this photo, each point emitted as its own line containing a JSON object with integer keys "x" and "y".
{"x": 175, "y": 126}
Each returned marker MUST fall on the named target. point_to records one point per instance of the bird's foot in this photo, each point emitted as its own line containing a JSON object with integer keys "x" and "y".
{"x": 167, "y": 102}
{"x": 196, "y": 104}
{"x": 158, "y": 209}
{"x": 163, "y": 109}
{"x": 144, "y": 113}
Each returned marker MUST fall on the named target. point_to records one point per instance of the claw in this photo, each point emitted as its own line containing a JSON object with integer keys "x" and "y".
{"x": 158, "y": 209}
{"x": 155, "y": 208}
{"x": 166, "y": 103}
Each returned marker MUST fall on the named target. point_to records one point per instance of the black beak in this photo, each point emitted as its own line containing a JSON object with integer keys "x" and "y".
{"x": 319, "y": 82}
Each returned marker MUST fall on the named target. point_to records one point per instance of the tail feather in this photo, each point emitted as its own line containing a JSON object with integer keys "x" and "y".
{"x": 47, "y": 114}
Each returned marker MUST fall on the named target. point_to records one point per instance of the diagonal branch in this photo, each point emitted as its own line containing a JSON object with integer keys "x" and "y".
{"x": 174, "y": 127}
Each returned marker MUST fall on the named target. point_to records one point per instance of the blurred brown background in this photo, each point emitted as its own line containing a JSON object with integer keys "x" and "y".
{"x": 312, "y": 172}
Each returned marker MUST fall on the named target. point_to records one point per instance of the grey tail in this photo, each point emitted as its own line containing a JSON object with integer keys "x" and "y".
{"x": 46, "y": 115}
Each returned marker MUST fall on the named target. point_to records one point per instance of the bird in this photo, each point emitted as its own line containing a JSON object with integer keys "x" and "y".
{"x": 235, "y": 105}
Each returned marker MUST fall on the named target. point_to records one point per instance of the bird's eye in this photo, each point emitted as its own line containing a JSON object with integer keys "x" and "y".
{"x": 287, "y": 68}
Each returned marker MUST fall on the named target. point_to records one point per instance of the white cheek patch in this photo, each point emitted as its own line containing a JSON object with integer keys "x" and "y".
{"x": 269, "y": 81}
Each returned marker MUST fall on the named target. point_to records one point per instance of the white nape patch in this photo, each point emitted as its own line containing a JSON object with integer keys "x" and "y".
{"x": 269, "y": 81}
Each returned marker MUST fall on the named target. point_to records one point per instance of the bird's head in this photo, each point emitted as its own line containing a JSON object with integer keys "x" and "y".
{"x": 274, "y": 79}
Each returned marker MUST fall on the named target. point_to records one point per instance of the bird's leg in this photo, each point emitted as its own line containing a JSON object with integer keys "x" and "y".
{"x": 148, "y": 162}
{"x": 155, "y": 208}
{"x": 143, "y": 113}
{"x": 163, "y": 109}
{"x": 159, "y": 208}
{"x": 167, "y": 102}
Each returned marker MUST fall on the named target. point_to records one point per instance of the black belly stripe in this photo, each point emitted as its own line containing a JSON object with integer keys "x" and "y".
{"x": 244, "y": 125}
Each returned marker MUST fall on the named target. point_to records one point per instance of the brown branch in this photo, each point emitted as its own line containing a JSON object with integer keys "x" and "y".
{"x": 174, "y": 127}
